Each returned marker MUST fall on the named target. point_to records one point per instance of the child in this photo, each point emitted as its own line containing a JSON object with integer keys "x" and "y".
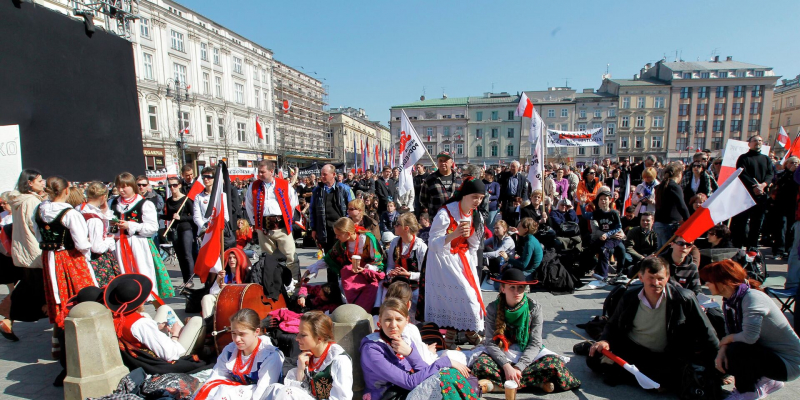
{"x": 388, "y": 221}
{"x": 405, "y": 257}
{"x": 425, "y": 224}
{"x": 95, "y": 211}
{"x": 247, "y": 366}
{"x": 607, "y": 235}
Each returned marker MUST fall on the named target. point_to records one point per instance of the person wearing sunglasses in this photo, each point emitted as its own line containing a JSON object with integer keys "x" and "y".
{"x": 201, "y": 200}
{"x": 698, "y": 181}
{"x": 183, "y": 228}
{"x": 683, "y": 265}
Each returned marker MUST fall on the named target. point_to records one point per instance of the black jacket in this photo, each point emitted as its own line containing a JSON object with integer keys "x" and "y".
{"x": 689, "y": 333}
{"x": 366, "y": 185}
{"x": 386, "y": 190}
{"x": 757, "y": 168}
{"x": 670, "y": 207}
{"x": 707, "y": 185}
{"x": 507, "y": 198}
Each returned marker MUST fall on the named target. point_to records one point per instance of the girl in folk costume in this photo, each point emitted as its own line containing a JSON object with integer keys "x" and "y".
{"x": 358, "y": 259}
{"x": 97, "y": 214}
{"x": 247, "y": 366}
{"x": 236, "y": 266}
{"x": 406, "y": 255}
{"x": 394, "y": 368}
{"x": 138, "y": 222}
{"x": 588, "y": 189}
{"x": 64, "y": 240}
{"x": 452, "y": 295}
{"x": 324, "y": 370}
{"x": 513, "y": 347}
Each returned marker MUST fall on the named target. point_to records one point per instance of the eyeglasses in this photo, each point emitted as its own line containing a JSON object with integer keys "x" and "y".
{"x": 174, "y": 185}
{"x": 590, "y": 173}
{"x": 697, "y": 166}
{"x": 208, "y": 176}
{"x": 142, "y": 184}
{"x": 683, "y": 244}
{"x": 352, "y": 209}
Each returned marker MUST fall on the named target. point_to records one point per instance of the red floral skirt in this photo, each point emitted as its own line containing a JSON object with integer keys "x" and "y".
{"x": 71, "y": 275}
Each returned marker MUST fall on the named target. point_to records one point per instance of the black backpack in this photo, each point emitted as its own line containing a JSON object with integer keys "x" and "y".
{"x": 271, "y": 272}
{"x": 552, "y": 275}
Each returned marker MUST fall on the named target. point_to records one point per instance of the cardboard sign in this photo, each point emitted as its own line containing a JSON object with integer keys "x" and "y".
{"x": 734, "y": 149}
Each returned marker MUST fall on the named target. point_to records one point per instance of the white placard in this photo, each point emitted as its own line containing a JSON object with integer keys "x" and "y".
{"x": 733, "y": 149}
{"x": 10, "y": 157}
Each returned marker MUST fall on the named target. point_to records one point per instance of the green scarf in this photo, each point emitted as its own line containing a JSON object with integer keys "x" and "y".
{"x": 520, "y": 318}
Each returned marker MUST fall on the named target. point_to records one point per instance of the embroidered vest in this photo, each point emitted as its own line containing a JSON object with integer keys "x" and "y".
{"x": 412, "y": 264}
{"x": 125, "y": 324}
{"x": 281, "y": 195}
{"x": 322, "y": 382}
{"x": 54, "y": 234}
{"x": 134, "y": 214}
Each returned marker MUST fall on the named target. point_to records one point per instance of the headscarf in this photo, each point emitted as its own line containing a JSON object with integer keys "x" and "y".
{"x": 241, "y": 265}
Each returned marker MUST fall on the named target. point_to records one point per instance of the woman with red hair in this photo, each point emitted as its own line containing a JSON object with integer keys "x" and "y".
{"x": 236, "y": 266}
{"x": 760, "y": 350}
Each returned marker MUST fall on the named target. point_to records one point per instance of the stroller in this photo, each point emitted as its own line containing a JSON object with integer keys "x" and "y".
{"x": 753, "y": 262}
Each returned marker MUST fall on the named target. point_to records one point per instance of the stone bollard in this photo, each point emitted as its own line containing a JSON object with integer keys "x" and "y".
{"x": 94, "y": 365}
{"x": 351, "y": 324}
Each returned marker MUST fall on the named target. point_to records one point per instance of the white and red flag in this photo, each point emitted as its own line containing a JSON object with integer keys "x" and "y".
{"x": 733, "y": 149}
{"x": 535, "y": 137}
{"x": 208, "y": 258}
{"x": 186, "y": 129}
{"x": 731, "y": 199}
{"x": 410, "y": 151}
{"x": 525, "y": 107}
{"x": 259, "y": 129}
{"x": 783, "y": 139}
{"x": 794, "y": 149}
{"x": 287, "y": 105}
{"x": 628, "y": 201}
{"x": 197, "y": 188}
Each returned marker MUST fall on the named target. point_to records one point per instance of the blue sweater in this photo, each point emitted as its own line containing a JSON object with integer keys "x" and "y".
{"x": 530, "y": 254}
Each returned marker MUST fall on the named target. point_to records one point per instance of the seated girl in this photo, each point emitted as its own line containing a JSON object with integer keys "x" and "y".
{"x": 360, "y": 278}
{"x": 513, "y": 344}
{"x": 528, "y": 250}
{"x": 501, "y": 241}
{"x": 388, "y": 221}
{"x": 236, "y": 266}
{"x": 247, "y": 366}
{"x": 324, "y": 370}
{"x": 406, "y": 255}
{"x": 394, "y": 367}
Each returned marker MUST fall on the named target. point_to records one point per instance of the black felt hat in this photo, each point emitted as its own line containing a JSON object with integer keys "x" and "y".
{"x": 89, "y": 293}
{"x": 125, "y": 293}
{"x": 513, "y": 276}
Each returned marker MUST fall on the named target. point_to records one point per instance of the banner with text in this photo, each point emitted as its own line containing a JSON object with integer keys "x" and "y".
{"x": 592, "y": 137}
{"x": 10, "y": 156}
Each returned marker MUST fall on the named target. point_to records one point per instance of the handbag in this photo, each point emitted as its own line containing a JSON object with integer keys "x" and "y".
{"x": 569, "y": 229}
{"x": 700, "y": 383}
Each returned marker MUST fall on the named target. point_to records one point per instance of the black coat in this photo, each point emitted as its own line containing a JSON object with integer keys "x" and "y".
{"x": 507, "y": 198}
{"x": 386, "y": 190}
{"x": 670, "y": 207}
{"x": 707, "y": 185}
{"x": 757, "y": 168}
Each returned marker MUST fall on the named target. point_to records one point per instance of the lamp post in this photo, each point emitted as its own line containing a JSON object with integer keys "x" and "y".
{"x": 181, "y": 94}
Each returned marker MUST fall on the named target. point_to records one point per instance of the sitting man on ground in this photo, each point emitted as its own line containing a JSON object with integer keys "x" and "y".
{"x": 641, "y": 241}
{"x": 659, "y": 328}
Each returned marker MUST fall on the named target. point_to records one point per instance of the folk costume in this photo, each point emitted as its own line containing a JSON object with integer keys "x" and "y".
{"x": 239, "y": 377}
{"x": 236, "y": 276}
{"x": 452, "y": 295}
{"x": 329, "y": 377}
{"x": 410, "y": 257}
{"x": 63, "y": 238}
{"x": 136, "y": 252}
{"x": 359, "y": 288}
{"x": 270, "y": 207}
{"x": 103, "y": 260}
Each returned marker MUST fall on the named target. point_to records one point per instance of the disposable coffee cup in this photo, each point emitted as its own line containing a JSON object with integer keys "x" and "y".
{"x": 511, "y": 389}
{"x": 356, "y": 260}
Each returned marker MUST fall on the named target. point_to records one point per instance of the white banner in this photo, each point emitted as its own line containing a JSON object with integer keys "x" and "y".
{"x": 593, "y": 137}
{"x": 10, "y": 156}
{"x": 411, "y": 150}
{"x": 241, "y": 173}
{"x": 733, "y": 149}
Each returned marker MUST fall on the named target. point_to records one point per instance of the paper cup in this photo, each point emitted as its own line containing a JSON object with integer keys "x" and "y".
{"x": 511, "y": 390}
{"x": 356, "y": 259}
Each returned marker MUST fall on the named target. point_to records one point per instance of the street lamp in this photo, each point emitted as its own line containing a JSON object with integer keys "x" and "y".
{"x": 179, "y": 97}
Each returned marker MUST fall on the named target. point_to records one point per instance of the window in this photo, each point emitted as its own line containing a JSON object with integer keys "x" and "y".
{"x": 683, "y": 126}
{"x": 756, "y": 91}
{"x": 221, "y": 127}
{"x": 494, "y": 150}
{"x": 429, "y": 147}
{"x": 700, "y": 127}
{"x": 209, "y": 126}
{"x": 683, "y": 109}
{"x": 741, "y": 74}
{"x": 755, "y": 108}
{"x": 736, "y": 125}
{"x": 699, "y": 142}
{"x": 216, "y": 55}
{"x": 753, "y": 125}
{"x": 510, "y": 150}
{"x": 596, "y": 151}
{"x": 655, "y": 142}
{"x": 626, "y": 102}
{"x": 240, "y": 131}
{"x": 551, "y": 113}
{"x": 640, "y": 121}
{"x": 218, "y": 86}
{"x": 759, "y": 74}
{"x": 612, "y": 112}
{"x": 510, "y": 116}
{"x": 720, "y": 92}
{"x": 705, "y": 75}
{"x": 495, "y": 133}
{"x": 702, "y": 109}
{"x": 479, "y": 133}
{"x": 609, "y": 148}
{"x": 494, "y": 116}
{"x": 623, "y": 143}
{"x": 736, "y": 109}
{"x": 184, "y": 117}
{"x": 723, "y": 74}
{"x": 625, "y": 121}
{"x": 686, "y": 92}
{"x": 719, "y": 125}
{"x": 738, "y": 91}
{"x": 257, "y": 97}
{"x": 180, "y": 73}
{"x": 144, "y": 27}
{"x": 681, "y": 144}
{"x": 582, "y": 114}
{"x": 446, "y": 131}
{"x": 658, "y": 121}
{"x": 719, "y": 109}
{"x": 581, "y": 127}
{"x": 255, "y": 74}
{"x": 459, "y": 149}
{"x": 638, "y": 142}
{"x": 206, "y": 83}
{"x": 238, "y": 90}
{"x": 237, "y": 65}
{"x": 564, "y": 112}
{"x": 510, "y": 133}
{"x": 659, "y": 102}
{"x": 147, "y": 60}
{"x": 716, "y": 143}
{"x": 641, "y": 103}
{"x": 203, "y": 51}
{"x": 581, "y": 151}
{"x": 177, "y": 40}
{"x": 152, "y": 112}
{"x": 611, "y": 128}
{"x": 702, "y": 92}
{"x": 596, "y": 126}
{"x": 687, "y": 75}
{"x": 598, "y": 114}
{"x": 446, "y": 147}
{"x": 479, "y": 115}
{"x": 429, "y": 132}
{"x": 266, "y": 104}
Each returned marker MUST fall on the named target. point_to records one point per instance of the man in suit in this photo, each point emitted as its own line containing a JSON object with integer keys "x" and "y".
{"x": 385, "y": 189}
{"x": 513, "y": 184}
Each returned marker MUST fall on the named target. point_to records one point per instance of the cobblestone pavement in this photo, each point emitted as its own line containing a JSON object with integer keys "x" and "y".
{"x": 27, "y": 370}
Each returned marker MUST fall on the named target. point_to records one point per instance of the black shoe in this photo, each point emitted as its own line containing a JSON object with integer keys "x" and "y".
{"x": 59, "y": 382}
{"x": 8, "y": 335}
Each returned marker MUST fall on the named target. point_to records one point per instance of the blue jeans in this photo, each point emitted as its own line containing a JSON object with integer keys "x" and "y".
{"x": 664, "y": 232}
{"x": 492, "y": 215}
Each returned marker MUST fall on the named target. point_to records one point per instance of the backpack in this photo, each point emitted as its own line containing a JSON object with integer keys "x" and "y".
{"x": 756, "y": 269}
{"x": 553, "y": 276}
{"x": 699, "y": 383}
{"x": 271, "y": 272}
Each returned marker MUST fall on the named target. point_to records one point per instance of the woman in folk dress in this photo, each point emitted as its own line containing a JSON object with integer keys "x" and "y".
{"x": 452, "y": 294}
{"x": 95, "y": 211}
{"x": 138, "y": 222}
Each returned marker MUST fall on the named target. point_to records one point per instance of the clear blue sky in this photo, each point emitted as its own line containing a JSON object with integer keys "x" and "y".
{"x": 375, "y": 54}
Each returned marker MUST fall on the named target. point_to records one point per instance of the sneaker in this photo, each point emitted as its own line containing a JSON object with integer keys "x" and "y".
{"x": 766, "y": 386}
{"x": 597, "y": 284}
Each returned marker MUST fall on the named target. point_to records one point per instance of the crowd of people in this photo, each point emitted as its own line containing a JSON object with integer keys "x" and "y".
{"x": 419, "y": 262}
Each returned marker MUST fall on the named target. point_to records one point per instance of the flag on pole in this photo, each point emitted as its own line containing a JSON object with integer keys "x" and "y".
{"x": 259, "y": 130}
{"x": 783, "y": 139}
{"x": 644, "y": 381}
{"x": 377, "y": 157}
{"x": 411, "y": 150}
{"x": 628, "y": 200}
{"x": 287, "y": 105}
{"x": 217, "y": 213}
{"x": 186, "y": 129}
{"x": 731, "y": 199}
{"x": 197, "y": 188}
{"x": 794, "y": 150}
{"x": 525, "y": 109}
{"x": 355, "y": 155}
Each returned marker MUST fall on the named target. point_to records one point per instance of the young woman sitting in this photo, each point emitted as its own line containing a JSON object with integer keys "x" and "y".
{"x": 236, "y": 266}
{"x": 324, "y": 370}
{"x": 247, "y": 366}
{"x": 394, "y": 367}
{"x": 528, "y": 251}
{"x": 406, "y": 255}
{"x": 514, "y": 349}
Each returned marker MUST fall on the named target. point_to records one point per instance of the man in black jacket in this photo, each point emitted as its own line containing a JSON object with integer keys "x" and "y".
{"x": 757, "y": 173}
{"x": 636, "y": 171}
{"x": 385, "y": 189}
{"x": 367, "y": 185}
{"x": 513, "y": 184}
{"x": 659, "y": 328}
{"x": 419, "y": 176}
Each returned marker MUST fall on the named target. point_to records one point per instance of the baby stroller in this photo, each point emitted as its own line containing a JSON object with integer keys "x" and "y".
{"x": 753, "y": 262}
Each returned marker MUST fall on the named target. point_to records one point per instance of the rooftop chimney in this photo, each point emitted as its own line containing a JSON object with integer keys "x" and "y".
{"x": 590, "y": 90}
{"x": 729, "y": 58}
{"x": 716, "y": 58}
{"x": 647, "y": 66}
{"x": 636, "y": 77}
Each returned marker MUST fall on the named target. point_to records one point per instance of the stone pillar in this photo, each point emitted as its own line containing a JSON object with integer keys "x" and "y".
{"x": 351, "y": 324}
{"x": 94, "y": 364}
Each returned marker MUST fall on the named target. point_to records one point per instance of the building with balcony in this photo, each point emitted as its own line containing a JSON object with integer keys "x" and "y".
{"x": 350, "y": 129}
{"x": 785, "y": 110}
{"x": 713, "y": 101}
{"x": 440, "y": 123}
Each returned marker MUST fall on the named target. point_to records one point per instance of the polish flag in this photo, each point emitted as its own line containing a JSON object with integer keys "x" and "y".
{"x": 287, "y": 105}
{"x": 628, "y": 200}
{"x": 208, "y": 258}
{"x": 259, "y": 130}
{"x": 186, "y": 130}
{"x": 525, "y": 107}
{"x": 197, "y": 188}
{"x": 794, "y": 150}
{"x": 731, "y": 199}
{"x": 783, "y": 139}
